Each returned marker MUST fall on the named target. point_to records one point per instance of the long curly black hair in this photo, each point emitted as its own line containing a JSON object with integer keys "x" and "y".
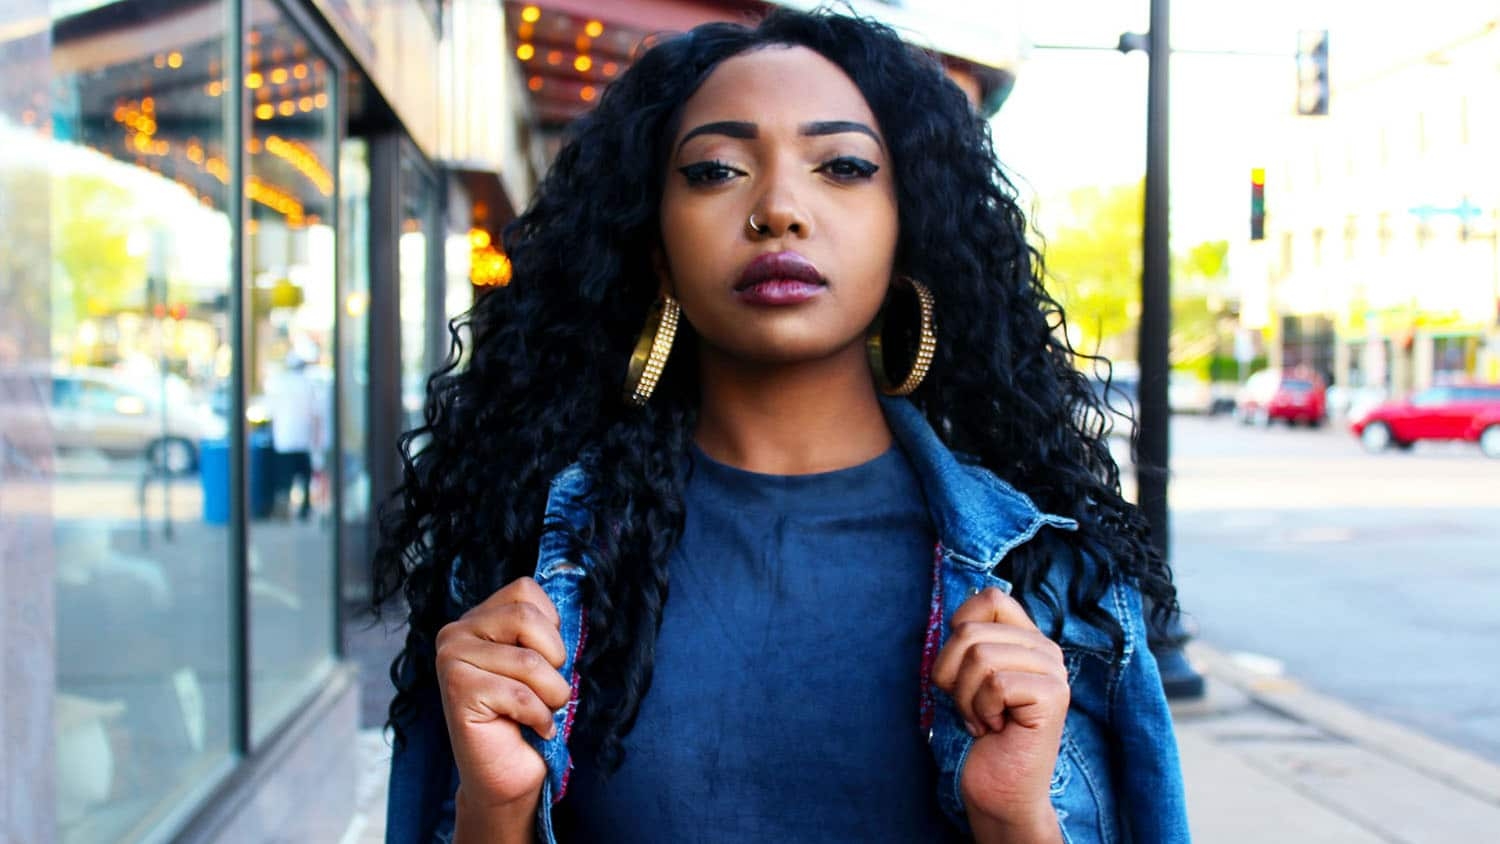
{"x": 542, "y": 387}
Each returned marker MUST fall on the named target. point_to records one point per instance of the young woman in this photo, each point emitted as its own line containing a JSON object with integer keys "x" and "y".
{"x": 769, "y": 505}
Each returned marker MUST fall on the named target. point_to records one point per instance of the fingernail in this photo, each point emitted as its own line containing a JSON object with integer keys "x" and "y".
{"x": 972, "y": 728}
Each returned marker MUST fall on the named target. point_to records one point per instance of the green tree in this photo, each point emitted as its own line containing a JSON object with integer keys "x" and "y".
{"x": 1093, "y": 262}
{"x": 1196, "y": 309}
{"x": 23, "y": 263}
{"x": 92, "y": 219}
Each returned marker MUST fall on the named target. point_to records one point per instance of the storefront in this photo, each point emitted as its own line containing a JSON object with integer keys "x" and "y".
{"x": 229, "y": 248}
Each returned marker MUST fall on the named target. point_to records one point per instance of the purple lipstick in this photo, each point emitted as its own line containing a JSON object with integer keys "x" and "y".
{"x": 780, "y": 278}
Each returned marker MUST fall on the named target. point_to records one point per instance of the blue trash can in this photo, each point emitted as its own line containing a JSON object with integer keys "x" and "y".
{"x": 263, "y": 482}
{"x": 213, "y": 474}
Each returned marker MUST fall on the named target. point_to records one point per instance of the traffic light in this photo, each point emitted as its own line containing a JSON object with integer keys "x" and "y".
{"x": 1258, "y": 203}
{"x": 1312, "y": 72}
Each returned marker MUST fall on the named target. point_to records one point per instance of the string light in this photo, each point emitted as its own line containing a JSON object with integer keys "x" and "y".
{"x": 582, "y": 64}
{"x": 276, "y": 199}
{"x": 488, "y": 266}
{"x": 531, "y": 14}
{"x": 594, "y": 29}
{"x": 303, "y": 160}
{"x": 525, "y": 52}
{"x": 174, "y": 60}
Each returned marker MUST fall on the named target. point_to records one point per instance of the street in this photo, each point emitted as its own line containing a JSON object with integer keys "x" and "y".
{"x": 1373, "y": 578}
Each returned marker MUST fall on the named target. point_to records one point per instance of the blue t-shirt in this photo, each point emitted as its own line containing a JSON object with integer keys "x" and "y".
{"x": 784, "y": 705}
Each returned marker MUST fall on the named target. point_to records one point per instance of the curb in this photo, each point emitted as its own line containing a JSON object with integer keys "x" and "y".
{"x": 1455, "y": 768}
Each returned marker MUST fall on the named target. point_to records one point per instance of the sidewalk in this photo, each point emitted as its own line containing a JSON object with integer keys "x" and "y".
{"x": 1265, "y": 760}
{"x": 1268, "y": 760}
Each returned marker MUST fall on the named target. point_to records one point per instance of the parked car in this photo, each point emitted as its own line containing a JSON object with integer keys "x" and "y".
{"x": 1289, "y": 395}
{"x": 113, "y": 412}
{"x": 1188, "y": 392}
{"x": 1467, "y": 412}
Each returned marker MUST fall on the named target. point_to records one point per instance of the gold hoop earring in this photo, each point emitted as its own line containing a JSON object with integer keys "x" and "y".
{"x": 651, "y": 350}
{"x": 924, "y": 343}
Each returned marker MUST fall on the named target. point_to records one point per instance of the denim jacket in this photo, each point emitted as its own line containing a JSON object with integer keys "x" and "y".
{"x": 1117, "y": 777}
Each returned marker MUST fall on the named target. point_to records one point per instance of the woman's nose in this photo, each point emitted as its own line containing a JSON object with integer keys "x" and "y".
{"x": 779, "y": 214}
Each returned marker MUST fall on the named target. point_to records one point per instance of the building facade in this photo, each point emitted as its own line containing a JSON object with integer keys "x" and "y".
{"x": 1383, "y": 266}
{"x": 232, "y": 236}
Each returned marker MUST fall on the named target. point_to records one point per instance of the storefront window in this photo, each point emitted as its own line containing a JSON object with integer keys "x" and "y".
{"x": 354, "y": 353}
{"x": 418, "y": 203}
{"x": 291, "y": 246}
{"x": 134, "y": 408}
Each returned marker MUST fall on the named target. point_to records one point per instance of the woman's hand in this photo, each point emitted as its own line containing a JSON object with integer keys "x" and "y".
{"x": 497, "y": 668}
{"x": 1010, "y": 685}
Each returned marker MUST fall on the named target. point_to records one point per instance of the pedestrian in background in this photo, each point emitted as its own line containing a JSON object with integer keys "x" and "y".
{"x": 832, "y": 549}
{"x": 294, "y": 403}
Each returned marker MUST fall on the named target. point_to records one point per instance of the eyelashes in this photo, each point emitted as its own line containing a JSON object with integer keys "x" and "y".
{"x": 845, "y": 168}
{"x": 709, "y": 173}
{"x": 849, "y": 168}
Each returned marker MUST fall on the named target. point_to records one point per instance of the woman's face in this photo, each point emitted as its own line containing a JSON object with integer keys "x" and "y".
{"x": 783, "y": 134}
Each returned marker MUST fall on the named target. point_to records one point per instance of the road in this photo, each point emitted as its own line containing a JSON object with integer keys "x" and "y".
{"x": 1371, "y": 577}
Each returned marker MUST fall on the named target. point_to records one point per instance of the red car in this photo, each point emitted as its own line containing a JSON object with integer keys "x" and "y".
{"x": 1468, "y": 412}
{"x": 1290, "y": 395}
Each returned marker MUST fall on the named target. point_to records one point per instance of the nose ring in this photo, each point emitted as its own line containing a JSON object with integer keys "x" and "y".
{"x": 756, "y": 228}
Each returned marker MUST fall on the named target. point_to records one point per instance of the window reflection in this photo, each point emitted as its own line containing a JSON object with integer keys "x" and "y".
{"x": 290, "y": 354}
{"x": 133, "y": 405}
{"x": 418, "y": 202}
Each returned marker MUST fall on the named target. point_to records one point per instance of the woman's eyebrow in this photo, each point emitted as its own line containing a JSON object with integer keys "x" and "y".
{"x": 733, "y": 128}
{"x": 746, "y": 131}
{"x": 837, "y": 127}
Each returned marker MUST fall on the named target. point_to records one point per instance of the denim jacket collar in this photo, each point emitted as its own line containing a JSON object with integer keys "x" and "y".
{"x": 979, "y": 517}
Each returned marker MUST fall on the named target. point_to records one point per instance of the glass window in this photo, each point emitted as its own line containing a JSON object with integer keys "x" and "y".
{"x": 136, "y": 359}
{"x": 291, "y": 245}
{"x": 1432, "y": 397}
{"x": 418, "y": 205}
{"x": 354, "y": 356}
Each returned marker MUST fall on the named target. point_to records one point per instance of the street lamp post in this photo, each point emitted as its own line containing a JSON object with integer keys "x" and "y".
{"x": 1152, "y": 457}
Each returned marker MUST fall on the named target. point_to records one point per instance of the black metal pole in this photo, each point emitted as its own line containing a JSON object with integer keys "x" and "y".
{"x": 1156, "y": 286}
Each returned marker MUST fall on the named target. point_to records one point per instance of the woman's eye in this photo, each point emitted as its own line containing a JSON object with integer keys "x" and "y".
{"x": 848, "y": 168}
{"x": 708, "y": 173}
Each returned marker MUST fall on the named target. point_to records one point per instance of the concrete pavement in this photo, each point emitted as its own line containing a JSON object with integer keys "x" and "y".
{"x": 1265, "y": 760}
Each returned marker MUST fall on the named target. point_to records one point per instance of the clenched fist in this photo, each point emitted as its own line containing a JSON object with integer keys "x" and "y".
{"x": 1010, "y": 685}
{"x": 497, "y": 669}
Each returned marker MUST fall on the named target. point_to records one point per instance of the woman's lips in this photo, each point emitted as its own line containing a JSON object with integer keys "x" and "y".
{"x": 779, "y": 292}
{"x": 780, "y": 278}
